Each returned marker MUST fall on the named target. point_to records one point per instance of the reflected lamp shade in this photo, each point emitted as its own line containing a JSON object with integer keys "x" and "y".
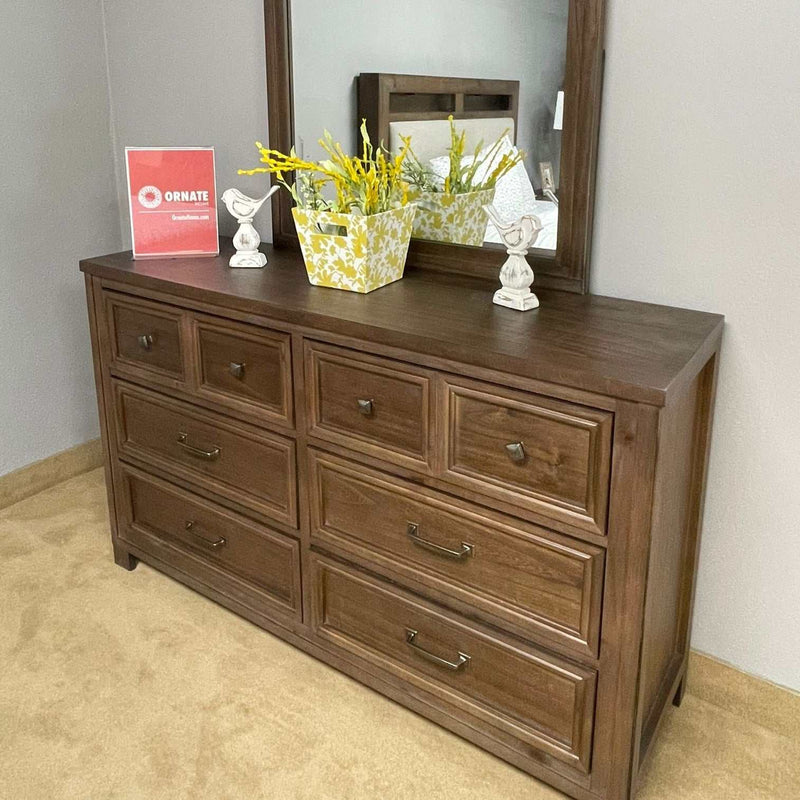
{"x": 558, "y": 122}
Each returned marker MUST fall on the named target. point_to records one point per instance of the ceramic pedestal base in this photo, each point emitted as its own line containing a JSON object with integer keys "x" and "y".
{"x": 244, "y": 259}
{"x": 519, "y": 300}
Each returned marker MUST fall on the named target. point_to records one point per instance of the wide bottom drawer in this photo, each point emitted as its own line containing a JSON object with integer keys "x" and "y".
{"x": 541, "y": 701}
{"x": 245, "y": 561}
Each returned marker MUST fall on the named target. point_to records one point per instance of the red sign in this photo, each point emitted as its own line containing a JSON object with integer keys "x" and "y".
{"x": 172, "y": 194}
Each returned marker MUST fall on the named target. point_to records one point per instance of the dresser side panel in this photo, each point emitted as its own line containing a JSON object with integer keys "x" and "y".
{"x": 98, "y": 332}
{"x": 679, "y": 488}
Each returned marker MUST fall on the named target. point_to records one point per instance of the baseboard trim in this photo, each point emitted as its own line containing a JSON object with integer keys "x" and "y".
{"x": 28, "y": 481}
{"x": 767, "y": 704}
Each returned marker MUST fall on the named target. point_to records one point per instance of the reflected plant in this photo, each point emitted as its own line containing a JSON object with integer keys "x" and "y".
{"x": 461, "y": 177}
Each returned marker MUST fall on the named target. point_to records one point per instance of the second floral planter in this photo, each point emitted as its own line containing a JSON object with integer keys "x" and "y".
{"x": 452, "y": 218}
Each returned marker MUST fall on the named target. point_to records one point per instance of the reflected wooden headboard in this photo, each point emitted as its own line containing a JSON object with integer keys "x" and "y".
{"x": 384, "y": 99}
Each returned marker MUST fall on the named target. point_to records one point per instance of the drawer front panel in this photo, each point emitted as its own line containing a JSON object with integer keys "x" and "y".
{"x": 523, "y": 576}
{"x": 263, "y": 559}
{"x": 538, "y": 698}
{"x": 375, "y": 405}
{"x": 251, "y": 467}
{"x": 146, "y": 336}
{"x": 542, "y": 454}
{"x": 246, "y": 367}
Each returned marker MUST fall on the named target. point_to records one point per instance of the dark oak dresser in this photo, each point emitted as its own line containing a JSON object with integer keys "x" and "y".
{"x": 490, "y": 517}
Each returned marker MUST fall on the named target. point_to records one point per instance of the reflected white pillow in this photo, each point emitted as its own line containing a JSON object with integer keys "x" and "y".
{"x": 514, "y": 195}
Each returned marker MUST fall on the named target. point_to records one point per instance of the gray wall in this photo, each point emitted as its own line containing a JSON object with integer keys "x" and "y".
{"x": 698, "y": 206}
{"x": 57, "y": 204}
{"x": 184, "y": 74}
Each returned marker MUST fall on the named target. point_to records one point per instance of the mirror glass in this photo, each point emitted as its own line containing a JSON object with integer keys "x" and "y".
{"x": 496, "y": 66}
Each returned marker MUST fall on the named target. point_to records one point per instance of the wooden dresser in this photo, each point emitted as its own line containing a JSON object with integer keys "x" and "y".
{"x": 490, "y": 517}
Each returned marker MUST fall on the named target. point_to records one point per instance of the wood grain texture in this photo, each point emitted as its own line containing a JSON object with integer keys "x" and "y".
{"x": 98, "y": 331}
{"x": 613, "y": 403}
{"x": 564, "y": 450}
{"x": 540, "y": 699}
{"x": 537, "y": 584}
{"x": 254, "y": 468}
{"x": 244, "y": 367}
{"x": 146, "y": 337}
{"x": 684, "y": 438}
{"x": 253, "y": 553}
{"x": 369, "y": 403}
{"x": 619, "y": 348}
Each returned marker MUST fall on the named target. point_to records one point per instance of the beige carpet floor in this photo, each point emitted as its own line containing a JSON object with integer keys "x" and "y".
{"x": 129, "y": 685}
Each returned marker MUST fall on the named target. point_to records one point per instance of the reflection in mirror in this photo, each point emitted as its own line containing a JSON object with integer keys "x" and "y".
{"x": 495, "y": 66}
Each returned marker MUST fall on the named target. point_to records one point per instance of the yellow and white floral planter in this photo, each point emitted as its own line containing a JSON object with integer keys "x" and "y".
{"x": 452, "y": 218}
{"x": 370, "y": 255}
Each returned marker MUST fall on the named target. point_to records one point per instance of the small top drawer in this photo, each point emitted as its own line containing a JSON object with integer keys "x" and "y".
{"x": 246, "y": 367}
{"x": 147, "y": 336}
{"x": 374, "y": 405}
{"x": 537, "y": 453}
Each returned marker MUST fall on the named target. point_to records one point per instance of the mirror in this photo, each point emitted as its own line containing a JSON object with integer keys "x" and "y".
{"x": 530, "y": 70}
{"x": 497, "y": 68}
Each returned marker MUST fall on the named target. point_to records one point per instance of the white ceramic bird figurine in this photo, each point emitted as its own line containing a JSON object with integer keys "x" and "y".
{"x": 516, "y": 274}
{"x": 247, "y": 240}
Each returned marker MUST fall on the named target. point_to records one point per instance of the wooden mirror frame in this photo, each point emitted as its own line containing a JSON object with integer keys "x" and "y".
{"x": 568, "y": 269}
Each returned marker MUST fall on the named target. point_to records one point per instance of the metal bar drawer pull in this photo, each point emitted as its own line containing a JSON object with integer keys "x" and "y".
{"x": 465, "y": 552}
{"x": 208, "y": 455}
{"x": 455, "y": 666}
{"x": 214, "y": 545}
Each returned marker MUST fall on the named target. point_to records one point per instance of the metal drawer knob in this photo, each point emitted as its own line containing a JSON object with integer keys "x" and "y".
{"x": 213, "y": 544}
{"x": 145, "y": 341}
{"x": 237, "y": 370}
{"x": 516, "y": 452}
{"x": 366, "y": 407}
{"x": 454, "y": 666}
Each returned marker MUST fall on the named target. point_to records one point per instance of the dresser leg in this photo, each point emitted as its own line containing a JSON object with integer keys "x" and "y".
{"x": 124, "y": 558}
{"x": 678, "y": 698}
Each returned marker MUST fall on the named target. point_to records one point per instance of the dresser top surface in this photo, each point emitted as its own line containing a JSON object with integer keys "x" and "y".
{"x": 621, "y": 348}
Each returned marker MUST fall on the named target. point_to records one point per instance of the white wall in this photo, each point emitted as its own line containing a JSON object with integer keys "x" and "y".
{"x": 699, "y": 206}
{"x": 184, "y": 74}
{"x": 57, "y": 205}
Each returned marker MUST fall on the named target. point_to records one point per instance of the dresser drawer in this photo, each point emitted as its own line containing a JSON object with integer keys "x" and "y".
{"x": 539, "y": 699}
{"x": 371, "y": 404}
{"x": 534, "y": 582}
{"x": 236, "y": 462}
{"x": 245, "y": 367}
{"x": 248, "y": 561}
{"x": 146, "y": 338}
{"x": 534, "y": 452}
